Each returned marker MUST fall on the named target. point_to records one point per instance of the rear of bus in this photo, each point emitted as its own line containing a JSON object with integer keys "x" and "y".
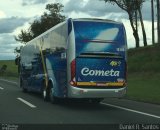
{"x": 97, "y": 67}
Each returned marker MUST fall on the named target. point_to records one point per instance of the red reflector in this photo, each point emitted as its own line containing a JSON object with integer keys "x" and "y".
{"x": 73, "y": 73}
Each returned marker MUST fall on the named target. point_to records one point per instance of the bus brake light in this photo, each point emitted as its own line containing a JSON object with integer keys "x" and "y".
{"x": 73, "y": 73}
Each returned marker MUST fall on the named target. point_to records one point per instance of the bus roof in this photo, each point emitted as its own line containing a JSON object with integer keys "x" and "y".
{"x": 98, "y": 20}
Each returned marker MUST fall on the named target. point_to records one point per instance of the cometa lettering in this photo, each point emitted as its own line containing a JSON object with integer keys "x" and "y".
{"x": 87, "y": 72}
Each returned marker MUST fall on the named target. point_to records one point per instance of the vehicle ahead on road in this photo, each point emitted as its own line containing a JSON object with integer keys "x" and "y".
{"x": 79, "y": 58}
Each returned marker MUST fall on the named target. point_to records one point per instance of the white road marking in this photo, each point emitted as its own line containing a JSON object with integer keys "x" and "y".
{"x": 8, "y": 81}
{"x": 27, "y": 103}
{"x": 135, "y": 111}
{"x": 1, "y": 88}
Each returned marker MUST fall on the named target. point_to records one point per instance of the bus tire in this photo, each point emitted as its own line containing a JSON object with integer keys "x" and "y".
{"x": 45, "y": 92}
{"x": 52, "y": 98}
{"x": 22, "y": 85}
{"x": 24, "y": 90}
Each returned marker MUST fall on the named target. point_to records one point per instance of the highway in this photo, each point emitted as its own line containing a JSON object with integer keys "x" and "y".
{"x": 29, "y": 108}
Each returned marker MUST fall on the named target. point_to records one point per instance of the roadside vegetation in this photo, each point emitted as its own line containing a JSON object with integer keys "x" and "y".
{"x": 11, "y": 70}
{"x": 144, "y": 74}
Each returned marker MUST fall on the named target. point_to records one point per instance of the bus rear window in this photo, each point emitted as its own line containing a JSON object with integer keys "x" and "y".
{"x": 94, "y": 31}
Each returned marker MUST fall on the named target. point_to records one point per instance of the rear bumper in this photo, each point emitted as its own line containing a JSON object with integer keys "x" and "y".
{"x": 74, "y": 92}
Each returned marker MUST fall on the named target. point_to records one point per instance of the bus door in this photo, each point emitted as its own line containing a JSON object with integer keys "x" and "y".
{"x": 36, "y": 77}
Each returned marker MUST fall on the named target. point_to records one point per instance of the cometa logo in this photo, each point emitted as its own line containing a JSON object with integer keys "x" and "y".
{"x": 115, "y": 63}
{"x": 88, "y": 72}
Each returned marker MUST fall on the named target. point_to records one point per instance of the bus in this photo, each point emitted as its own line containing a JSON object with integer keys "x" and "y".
{"x": 80, "y": 58}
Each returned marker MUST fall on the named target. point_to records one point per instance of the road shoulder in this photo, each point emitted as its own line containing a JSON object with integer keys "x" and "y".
{"x": 135, "y": 105}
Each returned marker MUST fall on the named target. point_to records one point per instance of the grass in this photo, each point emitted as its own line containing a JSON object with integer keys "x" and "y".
{"x": 11, "y": 71}
{"x": 145, "y": 59}
{"x": 144, "y": 87}
{"x": 144, "y": 74}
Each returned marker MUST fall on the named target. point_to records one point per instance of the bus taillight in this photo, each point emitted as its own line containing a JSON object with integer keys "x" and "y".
{"x": 73, "y": 73}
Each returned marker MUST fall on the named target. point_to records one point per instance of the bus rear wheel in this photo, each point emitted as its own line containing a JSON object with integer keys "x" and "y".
{"x": 52, "y": 98}
{"x": 21, "y": 84}
{"x": 45, "y": 93}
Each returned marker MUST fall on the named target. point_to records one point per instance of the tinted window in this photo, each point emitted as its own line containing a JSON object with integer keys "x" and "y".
{"x": 88, "y": 30}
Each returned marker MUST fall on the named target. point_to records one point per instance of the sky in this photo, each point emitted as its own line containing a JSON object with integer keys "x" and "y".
{"x": 16, "y": 15}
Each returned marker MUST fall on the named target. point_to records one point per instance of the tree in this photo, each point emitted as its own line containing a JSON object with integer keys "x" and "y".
{"x": 38, "y": 26}
{"x": 24, "y": 37}
{"x": 135, "y": 23}
{"x": 139, "y": 6}
{"x": 46, "y": 21}
{"x": 158, "y": 20}
{"x": 130, "y": 6}
{"x": 152, "y": 14}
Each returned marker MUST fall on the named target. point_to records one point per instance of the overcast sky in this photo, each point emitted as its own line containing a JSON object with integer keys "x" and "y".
{"x": 17, "y": 14}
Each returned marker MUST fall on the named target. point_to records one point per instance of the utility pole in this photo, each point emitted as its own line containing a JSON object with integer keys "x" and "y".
{"x": 152, "y": 13}
{"x": 158, "y": 20}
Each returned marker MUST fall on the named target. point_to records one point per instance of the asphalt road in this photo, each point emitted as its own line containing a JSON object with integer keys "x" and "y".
{"x": 29, "y": 108}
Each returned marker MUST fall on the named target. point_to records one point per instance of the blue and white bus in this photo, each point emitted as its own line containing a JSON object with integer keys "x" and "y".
{"x": 79, "y": 58}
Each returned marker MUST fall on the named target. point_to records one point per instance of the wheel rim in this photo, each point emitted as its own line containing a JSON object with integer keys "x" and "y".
{"x": 44, "y": 94}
